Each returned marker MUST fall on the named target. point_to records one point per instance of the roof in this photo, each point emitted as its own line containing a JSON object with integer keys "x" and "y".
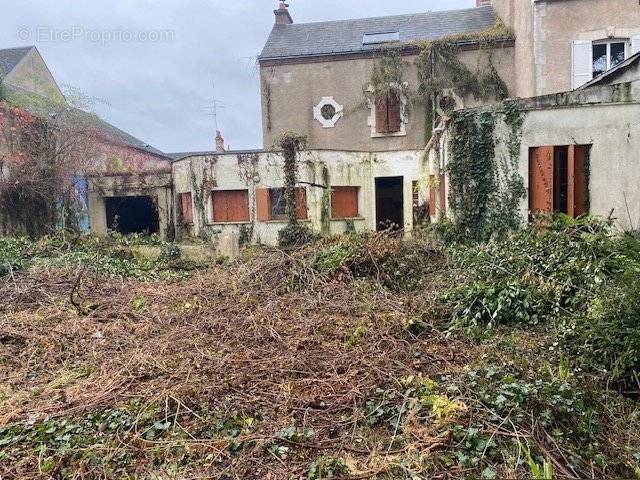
{"x": 612, "y": 72}
{"x": 346, "y": 36}
{"x": 181, "y": 155}
{"x": 10, "y": 58}
{"x": 40, "y": 105}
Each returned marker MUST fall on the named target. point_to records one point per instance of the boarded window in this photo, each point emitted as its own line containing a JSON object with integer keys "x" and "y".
{"x": 271, "y": 204}
{"x": 230, "y": 206}
{"x": 388, "y": 113}
{"x": 344, "y": 202}
{"x": 186, "y": 208}
{"x": 558, "y": 181}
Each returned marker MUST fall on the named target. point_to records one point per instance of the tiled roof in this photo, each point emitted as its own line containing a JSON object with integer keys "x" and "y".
{"x": 345, "y": 36}
{"x": 10, "y": 57}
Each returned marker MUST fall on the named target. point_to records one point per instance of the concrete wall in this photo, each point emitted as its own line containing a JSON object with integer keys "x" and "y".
{"x": 605, "y": 117}
{"x": 291, "y": 90}
{"x": 202, "y": 174}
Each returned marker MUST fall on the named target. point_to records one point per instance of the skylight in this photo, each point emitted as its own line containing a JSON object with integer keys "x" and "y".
{"x": 384, "y": 37}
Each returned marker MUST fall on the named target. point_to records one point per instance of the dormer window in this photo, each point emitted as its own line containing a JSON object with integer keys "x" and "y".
{"x": 378, "y": 38}
{"x": 607, "y": 54}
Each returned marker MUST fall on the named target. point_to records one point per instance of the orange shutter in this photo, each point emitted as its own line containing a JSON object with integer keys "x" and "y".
{"x": 382, "y": 125}
{"x": 301, "y": 204}
{"x": 344, "y": 202}
{"x": 394, "y": 122}
{"x": 578, "y": 181}
{"x": 541, "y": 179}
{"x": 186, "y": 206}
{"x": 432, "y": 195}
{"x": 238, "y": 205}
{"x": 220, "y": 207}
{"x": 262, "y": 204}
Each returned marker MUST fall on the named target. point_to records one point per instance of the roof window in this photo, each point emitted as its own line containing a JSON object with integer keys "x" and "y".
{"x": 384, "y": 37}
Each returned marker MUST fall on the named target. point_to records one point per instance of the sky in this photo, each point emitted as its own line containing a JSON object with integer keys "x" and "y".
{"x": 150, "y": 66}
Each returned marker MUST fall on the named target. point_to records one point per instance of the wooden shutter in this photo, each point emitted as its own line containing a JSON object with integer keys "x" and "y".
{"x": 344, "y": 202}
{"x": 262, "y": 204}
{"x": 541, "y": 179}
{"x": 635, "y": 44}
{"x": 432, "y": 195}
{"x": 238, "y": 205}
{"x": 582, "y": 63}
{"x": 578, "y": 184}
{"x": 301, "y": 204}
{"x": 220, "y": 207}
{"x": 186, "y": 208}
{"x": 382, "y": 123}
{"x": 394, "y": 121}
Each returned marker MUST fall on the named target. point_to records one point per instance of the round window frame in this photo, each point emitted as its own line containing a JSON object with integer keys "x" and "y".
{"x": 319, "y": 109}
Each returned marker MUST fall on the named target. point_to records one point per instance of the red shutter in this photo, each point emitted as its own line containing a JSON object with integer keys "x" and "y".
{"x": 382, "y": 121}
{"x": 238, "y": 205}
{"x": 262, "y": 204}
{"x": 394, "y": 122}
{"x": 301, "y": 204}
{"x": 186, "y": 208}
{"x": 541, "y": 179}
{"x": 344, "y": 202}
{"x": 443, "y": 195}
{"x": 220, "y": 207}
{"x": 432, "y": 195}
{"x": 578, "y": 181}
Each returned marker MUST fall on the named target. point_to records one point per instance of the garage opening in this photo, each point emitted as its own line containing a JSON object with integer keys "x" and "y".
{"x": 389, "y": 203}
{"x": 132, "y": 215}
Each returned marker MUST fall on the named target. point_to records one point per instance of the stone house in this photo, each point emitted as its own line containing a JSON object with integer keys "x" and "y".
{"x": 127, "y": 185}
{"x": 369, "y": 162}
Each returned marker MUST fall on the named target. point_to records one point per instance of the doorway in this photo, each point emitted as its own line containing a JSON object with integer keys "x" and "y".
{"x": 132, "y": 215}
{"x": 389, "y": 203}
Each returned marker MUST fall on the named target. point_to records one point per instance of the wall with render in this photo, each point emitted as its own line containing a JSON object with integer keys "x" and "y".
{"x": 605, "y": 117}
{"x": 201, "y": 175}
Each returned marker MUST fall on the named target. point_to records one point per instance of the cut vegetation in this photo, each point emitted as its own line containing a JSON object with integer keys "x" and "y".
{"x": 362, "y": 356}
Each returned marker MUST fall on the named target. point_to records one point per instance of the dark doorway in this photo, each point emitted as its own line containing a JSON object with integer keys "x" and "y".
{"x": 560, "y": 179}
{"x": 132, "y": 215}
{"x": 389, "y": 203}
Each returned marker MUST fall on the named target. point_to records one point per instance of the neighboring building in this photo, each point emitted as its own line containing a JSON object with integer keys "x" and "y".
{"x": 563, "y": 44}
{"x": 127, "y": 187}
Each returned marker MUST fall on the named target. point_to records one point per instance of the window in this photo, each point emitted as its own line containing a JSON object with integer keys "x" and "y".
{"x": 272, "y": 205}
{"x": 388, "y": 114}
{"x": 377, "y": 38}
{"x": 558, "y": 181}
{"x": 344, "y": 202}
{"x": 607, "y": 55}
{"x": 186, "y": 208}
{"x": 230, "y": 206}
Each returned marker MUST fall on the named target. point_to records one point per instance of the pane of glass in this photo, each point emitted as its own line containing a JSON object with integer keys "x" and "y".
{"x": 278, "y": 203}
{"x": 617, "y": 54}
{"x": 599, "y": 59}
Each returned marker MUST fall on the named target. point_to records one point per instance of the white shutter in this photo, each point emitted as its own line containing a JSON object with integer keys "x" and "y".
{"x": 635, "y": 44}
{"x": 582, "y": 63}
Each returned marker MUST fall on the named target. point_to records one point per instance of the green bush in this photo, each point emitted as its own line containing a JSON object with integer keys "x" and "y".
{"x": 535, "y": 274}
{"x": 294, "y": 235}
{"x": 13, "y": 253}
{"x": 606, "y": 340}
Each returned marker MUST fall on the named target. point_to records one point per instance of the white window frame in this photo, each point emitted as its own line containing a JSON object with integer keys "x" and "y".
{"x": 608, "y": 42}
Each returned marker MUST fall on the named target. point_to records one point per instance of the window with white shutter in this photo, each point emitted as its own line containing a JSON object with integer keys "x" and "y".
{"x": 582, "y": 63}
{"x": 635, "y": 44}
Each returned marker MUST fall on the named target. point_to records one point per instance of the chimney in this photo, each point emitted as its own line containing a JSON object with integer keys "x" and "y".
{"x": 219, "y": 142}
{"x": 282, "y": 14}
{"x": 483, "y": 3}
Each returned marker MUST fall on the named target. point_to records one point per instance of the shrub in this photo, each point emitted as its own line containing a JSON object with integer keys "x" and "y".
{"x": 535, "y": 274}
{"x": 606, "y": 340}
{"x": 294, "y": 235}
{"x": 13, "y": 253}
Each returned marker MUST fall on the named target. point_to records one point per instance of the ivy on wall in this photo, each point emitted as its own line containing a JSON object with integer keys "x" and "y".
{"x": 485, "y": 191}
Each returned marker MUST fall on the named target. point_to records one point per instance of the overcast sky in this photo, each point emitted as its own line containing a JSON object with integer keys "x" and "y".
{"x": 158, "y": 89}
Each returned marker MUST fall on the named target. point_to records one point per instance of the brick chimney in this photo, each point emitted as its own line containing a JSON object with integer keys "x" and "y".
{"x": 219, "y": 142}
{"x": 283, "y": 17}
{"x": 482, "y": 3}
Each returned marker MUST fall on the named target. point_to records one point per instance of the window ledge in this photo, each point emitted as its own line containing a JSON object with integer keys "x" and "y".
{"x": 347, "y": 219}
{"x": 213, "y": 224}
{"x": 285, "y": 221}
{"x": 388, "y": 135}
